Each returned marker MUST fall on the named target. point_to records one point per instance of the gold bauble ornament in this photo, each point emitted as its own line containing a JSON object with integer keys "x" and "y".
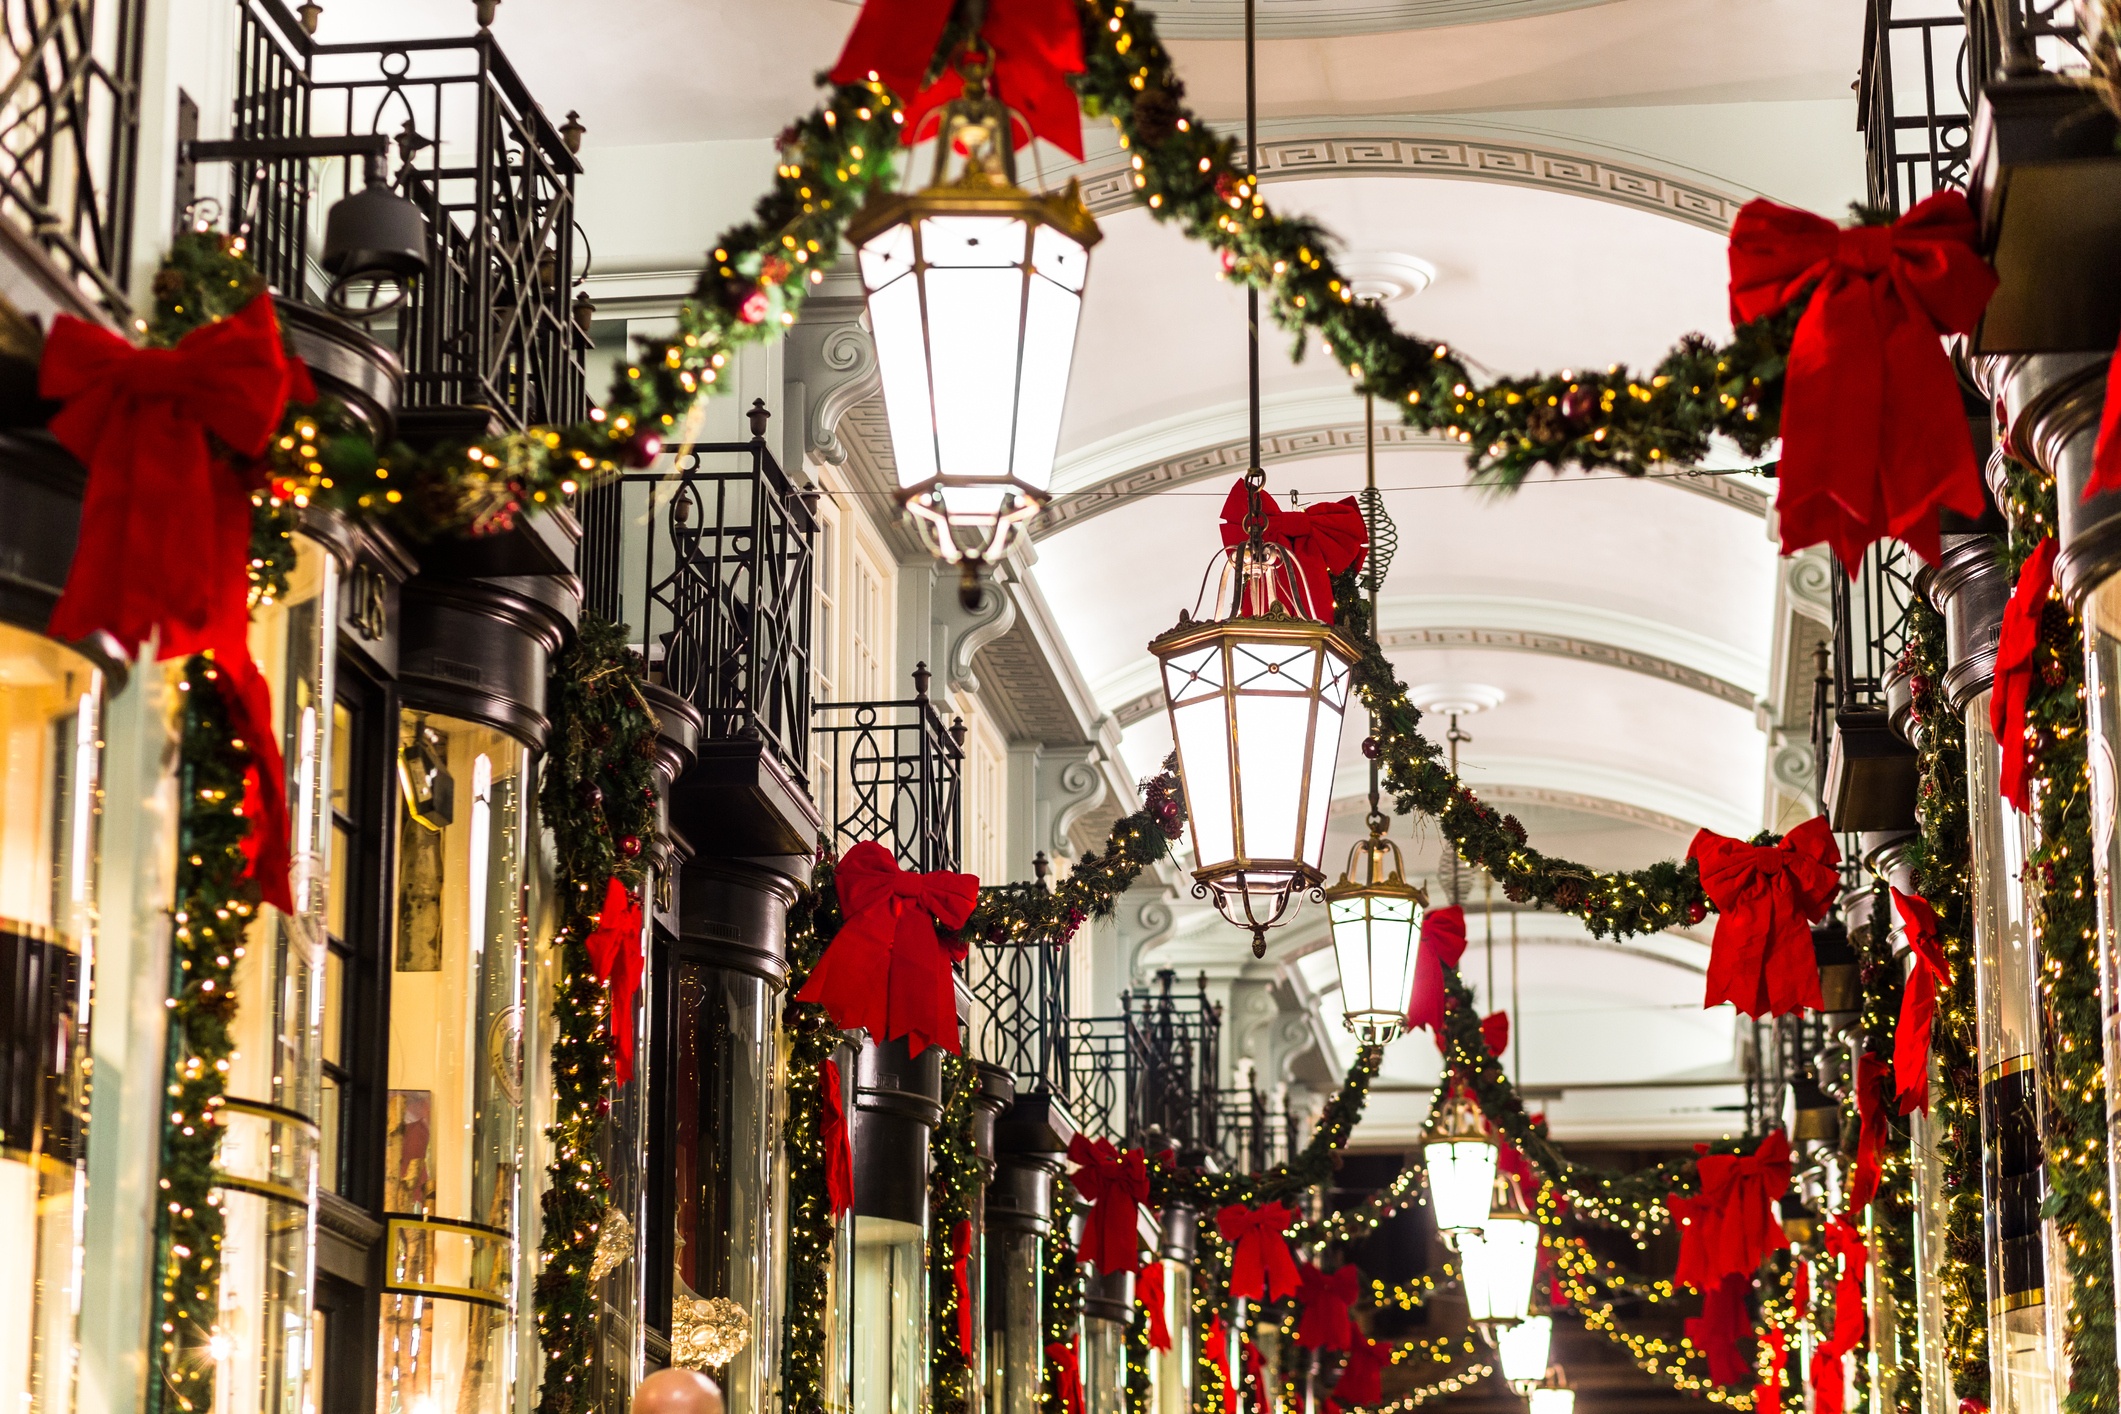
{"x": 614, "y": 1244}
{"x": 707, "y": 1331}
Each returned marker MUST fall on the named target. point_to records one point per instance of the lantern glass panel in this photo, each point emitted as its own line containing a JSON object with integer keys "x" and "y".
{"x": 1461, "y": 1182}
{"x": 1373, "y": 945}
{"x": 1523, "y": 1348}
{"x": 1551, "y": 1401}
{"x": 1050, "y": 314}
{"x": 1201, "y": 725}
{"x": 974, "y": 286}
{"x": 1499, "y": 1263}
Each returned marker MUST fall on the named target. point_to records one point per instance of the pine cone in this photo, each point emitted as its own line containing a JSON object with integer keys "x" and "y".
{"x": 1568, "y": 893}
{"x": 1546, "y": 426}
{"x": 1156, "y": 114}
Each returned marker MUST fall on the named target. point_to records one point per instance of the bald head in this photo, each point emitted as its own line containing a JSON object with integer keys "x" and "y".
{"x": 677, "y": 1391}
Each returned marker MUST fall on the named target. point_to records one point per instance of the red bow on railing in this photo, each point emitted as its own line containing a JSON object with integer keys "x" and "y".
{"x": 1262, "y": 1261}
{"x": 1068, "y": 1373}
{"x": 2017, "y": 645}
{"x": 1874, "y": 435}
{"x": 1874, "y": 1093}
{"x": 888, "y": 969}
{"x": 1362, "y": 1378}
{"x": 1115, "y": 1183}
{"x": 1767, "y": 897}
{"x": 614, "y": 948}
{"x": 1149, "y": 1292}
{"x": 1829, "y": 1373}
{"x": 165, "y": 526}
{"x": 1328, "y": 1299}
{"x": 961, "y": 1277}
{"x": 1731, "y": 1226}
{"x": 1723, "y": 1322}
{"x": 1035, "y": 44}
{"x": 1443, "y": 942}
{"x": 839, "y": 1154}
{"x": 1325, "y": 539}
{"x": 1918, "y": 1002}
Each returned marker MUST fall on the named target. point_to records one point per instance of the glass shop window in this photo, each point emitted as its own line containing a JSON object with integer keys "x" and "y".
{"x": 50, "y": 754}
{"x": 453, "y": 1146}
{"x": 890, "y": 1317}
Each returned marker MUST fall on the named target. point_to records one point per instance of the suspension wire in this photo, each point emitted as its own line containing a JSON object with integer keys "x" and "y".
{"x": 1255, "y": 475}
{"x": 1516, "y": 1016}
{"x": 1377, "y": 821}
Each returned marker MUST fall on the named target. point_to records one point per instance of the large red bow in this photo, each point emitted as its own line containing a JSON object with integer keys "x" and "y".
{"x": 1068, "y": 1373}
{"x": 615, "y": 960}
{"x": 888, "y": 970}
{"x": 1731, "y": 1226}
{"x": 1874, "y": 435}
{"x": 1149, "y": 1292}
{"x": 1918, "y": 1002}
{"x": 1262, "y": 1261}
{"x": 2017, "y": 645}
{"x": 1723, "y": 1322}
{"x": 1829, "y": 1372}
{"x": 165, "y": 526}
{"x": 1443, "y": 942}
{"x": 1766, "y": 898}
{"x": 1035, "y": 44}
{"x": 1328, "y": 1299}
{"x": 839, "y": 1154}
{"x": 1874, "y": 1093}
{"x": 1114, "y": 1182}
{"x": 1325, "y": 538}
{"x": 1362, "y": 1378}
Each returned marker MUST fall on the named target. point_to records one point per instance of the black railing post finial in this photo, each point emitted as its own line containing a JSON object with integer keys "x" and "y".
{"x": 758, "y": 417}
{"x": 921, "y": 678}
{"x": 1040, "y": 868}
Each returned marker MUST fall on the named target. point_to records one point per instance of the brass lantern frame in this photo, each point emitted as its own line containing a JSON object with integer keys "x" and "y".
{"x": 1376, "y": 884}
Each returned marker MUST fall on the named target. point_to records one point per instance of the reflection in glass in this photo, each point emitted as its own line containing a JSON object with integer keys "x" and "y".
{"x": 722, "y": 1147}
{"x": 890, "y": 1317}
{"x": 1016, "y": 1348}
{"x": 2102, "y": 652}
{"x": 1172, "y": 1370}
{"x": 269, "y": 1146}
{"x": 2022, "y": 1353}
{"x": 453, "y": 1128}
{"x": 50, "y": 754}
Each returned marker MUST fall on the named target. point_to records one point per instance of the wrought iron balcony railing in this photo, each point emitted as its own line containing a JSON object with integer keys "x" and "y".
{"x": 892, "y": 772}
{"x": 711, "y": 565}
{"x": 69, "y": 135}
{"x": 491, "y": 324}
{"x": 1914, "y": 103}
{"x": 1174, "y": 1057}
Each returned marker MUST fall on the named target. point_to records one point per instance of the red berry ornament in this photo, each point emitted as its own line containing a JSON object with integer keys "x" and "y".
{"x": 629, "y": 845}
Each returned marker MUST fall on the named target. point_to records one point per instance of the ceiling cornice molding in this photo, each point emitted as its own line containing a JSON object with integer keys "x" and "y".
{"x": 1310, "y": 19}
{"x": 1291, "y": 150}
{"x": 1681, "y": 804}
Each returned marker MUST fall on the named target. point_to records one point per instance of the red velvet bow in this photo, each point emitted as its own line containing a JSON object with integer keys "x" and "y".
{"x": 615, "y": 960}
{"x": 1443, "y": 942}
{"x": 1767, "y": 1395}
{"x": 1362, "y": 1378}
{"x": 1829, "y": 1373}
{"x": 165, "y": 525}
{"x": 1874, "y": 1093}
{"x": 1918, "y": 1002}
{"x": 1219, "y": 1358}
{"x": 1723, "y": 1322}
{"x": 1262, "y": 1261}
{"x": 1115, "y": 1183}
{"x": 1149, "y": 1292}
{"x": 1325, "y": 538}
{"x": 888, "y": 969}
{"x": 1328, "y": 1299}
{"x": 1731, "y": 1226}
{"x": 2017, "y": 646}
{"x": 1766, "y": 898}
{"x": 839, "y": 1154}
{"x": 1035, "y": 45}
{"x": 1874, "y": 436}
{"x": 961, "y": 1275}
{"x": 1068, "y": 1373}
{"x": 1495, "y": 1032}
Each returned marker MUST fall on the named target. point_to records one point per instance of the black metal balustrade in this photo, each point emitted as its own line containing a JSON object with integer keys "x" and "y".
{"x": 1174, "y": 1058}
{"x": 892, "y": 772}
{"x": 491, "y": 324}
{"x": 69, "y": 135}
{"x": 1020, "y": 1000}
{"x": 711, "y": 565}
{"x": 1866, "y": 771}
{"x": 1914, "y": 103}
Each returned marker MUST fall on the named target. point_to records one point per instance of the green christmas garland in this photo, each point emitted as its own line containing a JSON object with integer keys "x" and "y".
{"x": 954, "y": 1184}
{"x": 1892, "y": 1210}
{"x": 598, "y": 798}
{"x": 2058, "y": 876}
{"x": 1942, "y": 857}
{"x": 810, "y": 1041}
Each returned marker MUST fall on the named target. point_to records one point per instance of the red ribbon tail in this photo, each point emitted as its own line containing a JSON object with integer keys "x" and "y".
{"x": 2106, "y": 453}
{"x": 247, "y": 698}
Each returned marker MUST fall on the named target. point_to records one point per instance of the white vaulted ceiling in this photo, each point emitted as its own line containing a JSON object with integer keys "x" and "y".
{"x": 1566, "y": 168}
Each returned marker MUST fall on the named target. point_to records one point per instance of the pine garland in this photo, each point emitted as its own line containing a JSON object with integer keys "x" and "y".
{"x": 1892, "y": 1210}
{"x": 1942, "y": 857}
{"x": 954, "y": 1184}
{"x": 2058, "y": 876}
{"x": 598, "y": 798}
{"x": 810, "y": 1040}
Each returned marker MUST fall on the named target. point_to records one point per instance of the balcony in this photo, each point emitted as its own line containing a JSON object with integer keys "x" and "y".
{"x": 710, "y": 564}
{"x": 892, "y": 772}
{"x": 1866, "y": 768}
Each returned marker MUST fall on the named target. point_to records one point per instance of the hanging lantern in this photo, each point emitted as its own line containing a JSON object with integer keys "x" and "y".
{"x": 1461, "y": 1163}
{"x": 1257, "y": 699}
{"x": 973, "y": 288}
{"x": 1522, "y": 1352}
{"x": 1376, "y": 918}
{"x": 1499, "y": 1262}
